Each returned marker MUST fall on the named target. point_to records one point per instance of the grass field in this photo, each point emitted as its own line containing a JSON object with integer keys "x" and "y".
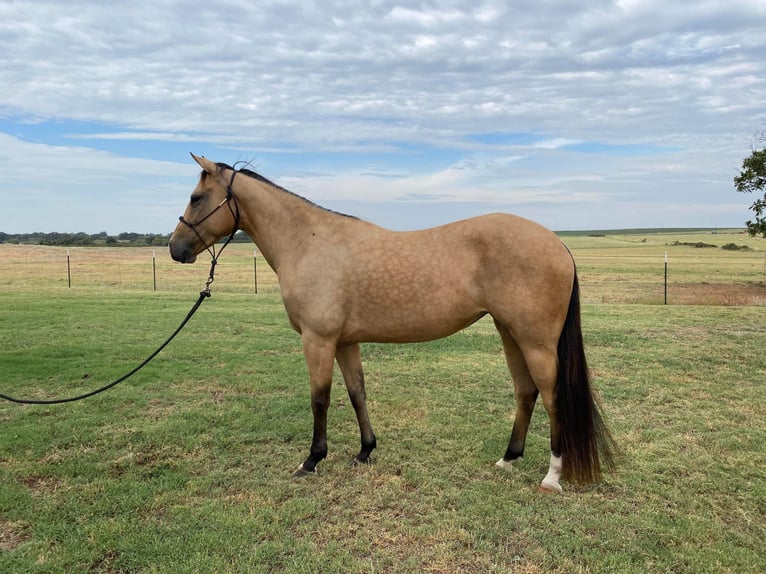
{"x": 185, "y": 468}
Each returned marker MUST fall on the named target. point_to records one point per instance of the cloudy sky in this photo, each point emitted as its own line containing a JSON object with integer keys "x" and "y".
{"x": 580, "y": 114}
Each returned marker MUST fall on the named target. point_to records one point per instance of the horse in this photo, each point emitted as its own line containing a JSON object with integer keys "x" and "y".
{"x": 346, "y": 281}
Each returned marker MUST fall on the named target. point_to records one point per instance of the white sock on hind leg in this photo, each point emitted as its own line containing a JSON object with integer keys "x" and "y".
{"x": 551, "y": 480}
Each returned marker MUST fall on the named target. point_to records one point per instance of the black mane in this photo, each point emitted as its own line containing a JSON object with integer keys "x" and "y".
{"x": 259, "y": 177}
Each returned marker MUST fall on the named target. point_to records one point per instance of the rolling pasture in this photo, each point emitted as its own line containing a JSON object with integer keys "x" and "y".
{"x": 185, "y": 467}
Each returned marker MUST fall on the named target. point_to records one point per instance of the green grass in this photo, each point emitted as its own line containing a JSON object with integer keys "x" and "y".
{"x": 185, "y": 468}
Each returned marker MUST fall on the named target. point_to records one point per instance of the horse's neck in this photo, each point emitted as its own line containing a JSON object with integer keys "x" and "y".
{"x": 277, "y": 221}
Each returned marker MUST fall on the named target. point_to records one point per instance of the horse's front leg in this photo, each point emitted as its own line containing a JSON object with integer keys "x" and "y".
{"x": 320, "y": 354}
{"x": 350, "y": 363}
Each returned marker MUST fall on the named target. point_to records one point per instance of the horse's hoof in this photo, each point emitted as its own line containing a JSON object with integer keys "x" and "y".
{"x": 506, "y": 465}
{"x": 301, "y": 472}
{"x": 356, "y": 462}
{"x": 550, "y": 488}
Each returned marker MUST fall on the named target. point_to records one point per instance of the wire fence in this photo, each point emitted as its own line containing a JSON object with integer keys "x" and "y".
{"x": 690, "y": 277}
{"x": 241, "y": 269}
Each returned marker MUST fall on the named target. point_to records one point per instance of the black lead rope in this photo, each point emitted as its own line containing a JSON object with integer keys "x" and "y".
{"x": 204, "y": 294}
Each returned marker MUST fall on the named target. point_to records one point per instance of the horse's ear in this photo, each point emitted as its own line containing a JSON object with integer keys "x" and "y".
{"x": 206, "y": 164}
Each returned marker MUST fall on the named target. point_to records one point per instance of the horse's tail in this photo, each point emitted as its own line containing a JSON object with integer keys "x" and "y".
{"x": 586, "y": 444}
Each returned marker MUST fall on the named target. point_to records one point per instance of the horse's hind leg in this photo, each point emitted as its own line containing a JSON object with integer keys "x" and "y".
{"x": 525, "y": 393}
{"x": 350, "y": 363}
{"x": 542, "y": 363}
{"x": 534, "y": 371}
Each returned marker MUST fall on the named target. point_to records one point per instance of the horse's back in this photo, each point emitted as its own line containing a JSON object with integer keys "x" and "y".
{"x": 426, "y": 284}
{"x": 491, "y": 252}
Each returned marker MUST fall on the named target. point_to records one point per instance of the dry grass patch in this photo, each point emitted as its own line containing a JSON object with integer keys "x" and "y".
{"x": 731, "y": 294}
{"x": 13, "y": 534}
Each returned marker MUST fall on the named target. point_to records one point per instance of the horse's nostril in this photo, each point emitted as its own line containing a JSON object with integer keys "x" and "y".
{"x": 181, "y": 254}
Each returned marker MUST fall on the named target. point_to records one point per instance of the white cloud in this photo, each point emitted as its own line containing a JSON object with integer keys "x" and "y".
{"x": 349, "y": 79}
{"x": 53, "y": 188}
{"x": 555, "y": 143}
{"x": 27, "y": 163}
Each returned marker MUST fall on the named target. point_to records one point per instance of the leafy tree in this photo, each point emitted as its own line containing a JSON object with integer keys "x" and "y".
{"x": 752, "y": 179}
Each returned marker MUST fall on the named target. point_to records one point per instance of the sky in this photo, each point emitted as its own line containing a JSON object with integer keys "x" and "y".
{"x": 586, "y": 114}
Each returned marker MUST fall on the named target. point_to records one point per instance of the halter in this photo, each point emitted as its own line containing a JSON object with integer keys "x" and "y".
{"x": 228, "y": 200}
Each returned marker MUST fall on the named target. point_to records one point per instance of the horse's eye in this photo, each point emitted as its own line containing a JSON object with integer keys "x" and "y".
{"x": 195, "y": 199}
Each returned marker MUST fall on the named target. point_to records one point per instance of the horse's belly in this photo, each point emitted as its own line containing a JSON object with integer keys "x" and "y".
{"x": 411, "y": 322}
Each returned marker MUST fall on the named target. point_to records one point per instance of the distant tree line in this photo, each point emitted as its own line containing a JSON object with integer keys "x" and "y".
{"x": 96, "y": 239}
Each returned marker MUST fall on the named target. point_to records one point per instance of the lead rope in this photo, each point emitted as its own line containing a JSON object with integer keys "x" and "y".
{"x": 204, "y": 294}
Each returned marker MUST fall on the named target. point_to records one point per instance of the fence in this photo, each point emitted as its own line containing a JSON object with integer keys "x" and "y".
{"x": 241, "y": 269}
{"x": 712, "y": 278}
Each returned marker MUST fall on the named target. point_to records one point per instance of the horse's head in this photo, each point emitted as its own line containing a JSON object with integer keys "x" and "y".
{"x": 205, "y": 220}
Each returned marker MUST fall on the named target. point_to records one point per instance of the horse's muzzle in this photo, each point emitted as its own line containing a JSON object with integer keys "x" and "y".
{"x": 180, "y": 252}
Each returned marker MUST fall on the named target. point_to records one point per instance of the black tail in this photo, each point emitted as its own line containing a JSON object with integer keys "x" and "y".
{"x": 586, "y": 445}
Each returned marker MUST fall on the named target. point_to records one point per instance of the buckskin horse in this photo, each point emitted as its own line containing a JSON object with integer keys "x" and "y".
{"x": 345, "y": 281}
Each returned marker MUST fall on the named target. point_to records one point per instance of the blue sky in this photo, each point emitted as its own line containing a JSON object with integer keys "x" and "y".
{"x": 591, "y": 115}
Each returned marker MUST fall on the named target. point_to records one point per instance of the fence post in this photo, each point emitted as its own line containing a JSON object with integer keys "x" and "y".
{"x": 666, "y": 278}
{"x": 154, "y": 268}
{"x": 68, "y": 270}
{"x": 255, "y": 273}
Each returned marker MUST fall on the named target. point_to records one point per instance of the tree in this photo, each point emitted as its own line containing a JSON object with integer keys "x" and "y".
{"x": 752, "y": 179}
